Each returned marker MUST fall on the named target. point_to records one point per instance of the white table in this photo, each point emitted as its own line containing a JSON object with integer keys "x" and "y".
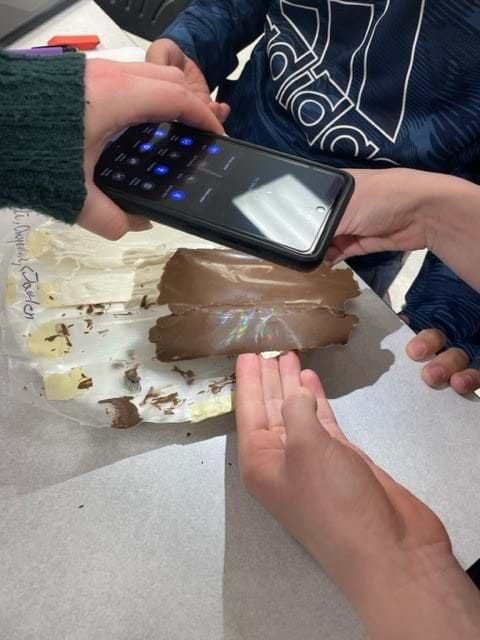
{"x": 148, "y": 534}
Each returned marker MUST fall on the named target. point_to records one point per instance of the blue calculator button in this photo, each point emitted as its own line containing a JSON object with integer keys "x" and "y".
{"x": 161, "y": 170}
{"x": 178, "y": 195}
{"x": 214, "y": 149}
{"x": 160, "y": 133}
{"x": 186, "y": 142}
{"x": 146, "y": 146}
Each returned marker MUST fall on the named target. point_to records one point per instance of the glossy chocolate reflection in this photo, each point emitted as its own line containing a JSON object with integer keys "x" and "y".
{"x": 211, "y": 277}
{"x": 217, "y": 331}
{"x": 227, "y": 303}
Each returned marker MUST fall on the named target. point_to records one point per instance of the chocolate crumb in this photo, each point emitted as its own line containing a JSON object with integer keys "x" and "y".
{"x": 85, "y": 383}
{"x": 155, "y": 399}
{"x": 132, "y": 374}
{"x": 218, "y": 386}
{"x": 188, "y": 434}
{"x": 188, "y": 376}
{"x": 125, "y": 413}
{"x": 80, "y": 506}
{"x": 144, "y": 304}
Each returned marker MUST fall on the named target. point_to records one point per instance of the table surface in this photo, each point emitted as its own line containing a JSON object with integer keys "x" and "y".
{"x": 147, "y": 533}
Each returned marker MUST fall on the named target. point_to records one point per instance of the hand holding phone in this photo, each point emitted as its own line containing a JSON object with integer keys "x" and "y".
{"x": 252, "y": 199}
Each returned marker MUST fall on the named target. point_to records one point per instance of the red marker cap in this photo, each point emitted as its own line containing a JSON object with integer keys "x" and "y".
{"x": 83, "y": 43}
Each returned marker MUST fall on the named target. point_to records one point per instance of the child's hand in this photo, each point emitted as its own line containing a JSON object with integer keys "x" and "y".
{"x": 123, "y": 94}
{"x": 352, "y": 517}
{"x": 447, "y": 368}
{"x": 168, "y": 53}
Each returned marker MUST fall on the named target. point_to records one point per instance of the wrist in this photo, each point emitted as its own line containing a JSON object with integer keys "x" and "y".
{"x": 423, "y": 594}
{"x": 450, "y": 212}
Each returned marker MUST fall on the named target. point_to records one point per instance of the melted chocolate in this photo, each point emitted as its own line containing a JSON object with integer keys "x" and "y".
{"x": 227, "y": 303}
{"x": 215, "y": 277}
{"x": 207, "y": 332}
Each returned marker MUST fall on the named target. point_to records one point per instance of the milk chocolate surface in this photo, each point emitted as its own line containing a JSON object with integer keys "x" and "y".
{"x": 227, "y": 303}
{"x": 215, "y": 277}
{"x": 208, "y": 332}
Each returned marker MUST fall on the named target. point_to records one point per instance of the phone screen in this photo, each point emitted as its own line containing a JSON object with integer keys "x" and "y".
{"x": 208, "y": 178}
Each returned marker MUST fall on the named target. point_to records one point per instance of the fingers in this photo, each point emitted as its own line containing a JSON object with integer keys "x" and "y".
{"x": 325, "y": 414}
{"x": 144, "y": 100}
{"x": 426, "y": 344}
{"x": 221, "y": 110}
{"x": 437, "y": 373}
{"x": 272, "y": 391}
{"x": 154, "y": 72}
{"x": 166, "y": 52}
{"x": 446, "y": 368}
{"x": 305, "y": 434}
{"x": 101, "y": 216}
{"x": 249, "y": 401}
{"x": 465, "y": 382}
{"x": 290, "y": 371}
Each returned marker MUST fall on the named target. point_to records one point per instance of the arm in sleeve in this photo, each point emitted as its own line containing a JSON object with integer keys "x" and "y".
{"x": 212, "y": 32}
{"x": 42, "y": 103}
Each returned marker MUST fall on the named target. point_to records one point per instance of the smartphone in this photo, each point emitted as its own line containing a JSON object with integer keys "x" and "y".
{"x": 262, "y": 202}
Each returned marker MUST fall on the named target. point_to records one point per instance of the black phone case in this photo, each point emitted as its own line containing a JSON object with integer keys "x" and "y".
{"x": 135, "y": 204}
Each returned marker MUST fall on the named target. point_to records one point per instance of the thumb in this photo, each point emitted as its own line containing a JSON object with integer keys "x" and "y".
{"x": 305, "y": 434}
{"x": 102, "y": 216}
{"x": 146, "y": 100}
{"x": 166, "y": 52}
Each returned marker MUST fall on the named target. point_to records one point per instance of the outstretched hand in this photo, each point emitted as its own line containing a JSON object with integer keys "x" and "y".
{"x": 352, "y": 516}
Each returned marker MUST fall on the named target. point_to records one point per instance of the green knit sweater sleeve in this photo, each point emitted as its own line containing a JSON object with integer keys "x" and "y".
{"x": 42, "y": 102}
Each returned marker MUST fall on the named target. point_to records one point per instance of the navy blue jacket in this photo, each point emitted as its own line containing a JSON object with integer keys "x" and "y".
{"x": 356, "y": 83}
